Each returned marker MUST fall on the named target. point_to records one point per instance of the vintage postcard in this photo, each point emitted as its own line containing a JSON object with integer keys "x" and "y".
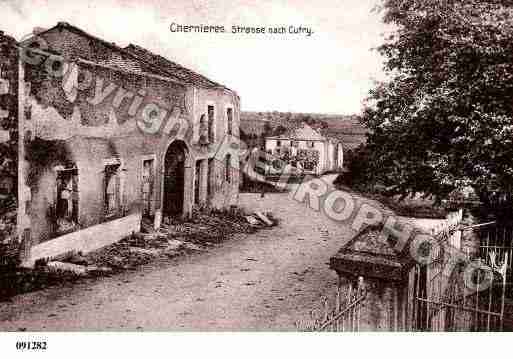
{"x": 249, "y": 166}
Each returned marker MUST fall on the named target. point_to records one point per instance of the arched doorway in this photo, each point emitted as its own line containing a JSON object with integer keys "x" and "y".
{"x": 174, "y": 183}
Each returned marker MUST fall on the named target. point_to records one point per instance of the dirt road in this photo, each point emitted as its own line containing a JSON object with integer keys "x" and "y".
{"x": 263, "y": 281}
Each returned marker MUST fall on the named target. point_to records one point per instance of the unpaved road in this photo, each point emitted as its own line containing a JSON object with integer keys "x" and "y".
{"x": 263, "y": 281}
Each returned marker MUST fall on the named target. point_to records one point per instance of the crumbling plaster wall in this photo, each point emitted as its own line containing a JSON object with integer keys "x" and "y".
{"x": 91, "y": 135}
{"x": 223, "y": 194}
{"x": 8, "y": 137}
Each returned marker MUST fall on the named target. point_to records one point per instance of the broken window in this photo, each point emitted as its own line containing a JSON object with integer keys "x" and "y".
{"x": 197, "y": 183}
{"x": 203, "y": 130}
{"x": 229, "y": 115}
{"x": 28, "y": 112}
{"x": 4, "y": 71}
{"x": 211, "y": 177}
{"x": 4, "y": 86}
{"x": 112, "y": 202}
{"x": 228, "y": 165}
{"x": 147, "y": 187}
{"x": 66, "y": 209}
{"x": 6, "y": 185}
{"x": 211, "y": 115}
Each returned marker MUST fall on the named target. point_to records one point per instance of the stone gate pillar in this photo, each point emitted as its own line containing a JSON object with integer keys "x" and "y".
{"x": 386, "y": 274}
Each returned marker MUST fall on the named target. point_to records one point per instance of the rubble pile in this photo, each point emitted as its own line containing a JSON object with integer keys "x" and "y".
{"x": 175, "y": 237}
{"x": 23, "y": 280}
{"x": 9, "y": 246}
{"x": 7, "y": 226}
{"x": 205, "y": 229}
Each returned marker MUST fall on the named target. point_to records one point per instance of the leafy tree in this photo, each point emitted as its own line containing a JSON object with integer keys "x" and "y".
{"x": 444, "y": 117}
{"x": 279, "y": 130}
{"x": 268, "y": 129}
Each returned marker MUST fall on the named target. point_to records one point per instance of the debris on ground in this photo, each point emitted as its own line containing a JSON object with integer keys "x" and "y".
{"x": 174, "y": 244}
{"x": 78, "y": 259}
{"x": 67, "y": 267}
{"x": 98, "y": 271}
{"x": 252, "y": 220}
{"x": 175, "y": 237}
{"x": 264, "y": 219}
{"x": 204, "y": 229}
{"x": 193, "y": 247}
{"x": 144, "y": 251}
{"x": 259, "y": 219}
{"x": 8, "y": 218}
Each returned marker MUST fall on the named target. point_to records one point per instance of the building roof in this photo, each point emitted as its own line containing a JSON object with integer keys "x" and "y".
{"x": 150, "y": 62}
{"x": 168, "y": 66}
{"x": 304, "y": 132}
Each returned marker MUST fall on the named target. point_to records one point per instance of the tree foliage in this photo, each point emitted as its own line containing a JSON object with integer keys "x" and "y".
{"x": 444, "y": 117}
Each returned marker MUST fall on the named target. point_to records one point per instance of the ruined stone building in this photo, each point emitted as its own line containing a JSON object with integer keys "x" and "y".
{"x": 8, "y": 136}
{"x": 306, "y": 150}
{"x": 113, "y": 136}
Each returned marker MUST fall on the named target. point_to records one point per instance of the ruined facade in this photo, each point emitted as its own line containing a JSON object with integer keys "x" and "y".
{"x": 8, "y": 136}
{"x": 115, "y": 136}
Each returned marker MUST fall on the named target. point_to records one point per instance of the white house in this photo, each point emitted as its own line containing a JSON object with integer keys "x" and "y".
{"x": 307, "y": 150}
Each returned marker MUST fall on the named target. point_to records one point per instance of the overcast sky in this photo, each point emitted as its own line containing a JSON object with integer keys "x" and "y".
{"x": 330, "y": 71}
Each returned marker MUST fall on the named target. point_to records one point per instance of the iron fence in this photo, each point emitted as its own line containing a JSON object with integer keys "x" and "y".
{"x": 450, "y": 304}
{"x": 342, "y": 314}
{"x": 496, "y": 243}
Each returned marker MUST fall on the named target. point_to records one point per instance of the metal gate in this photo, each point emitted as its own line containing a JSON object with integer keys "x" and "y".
{"x": 496, "y": 243}
{"x": 448, "y": 304}
{"x": 343, "y": 315}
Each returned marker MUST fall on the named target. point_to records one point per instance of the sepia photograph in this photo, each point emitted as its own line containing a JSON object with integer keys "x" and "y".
{"x": 251, "y": 166}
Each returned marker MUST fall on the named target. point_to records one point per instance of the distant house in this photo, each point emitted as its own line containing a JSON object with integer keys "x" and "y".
{"x": 307, "y": 150}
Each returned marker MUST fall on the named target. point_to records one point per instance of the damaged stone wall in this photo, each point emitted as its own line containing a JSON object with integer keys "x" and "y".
{"x": 221, "y": 193}
{"x": 8, "y": 137}
{"x": 89, "y": 119}
{"x": 90, "y": 134}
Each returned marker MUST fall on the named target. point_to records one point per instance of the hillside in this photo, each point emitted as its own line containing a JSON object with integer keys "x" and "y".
{"x": 345, "y": 128}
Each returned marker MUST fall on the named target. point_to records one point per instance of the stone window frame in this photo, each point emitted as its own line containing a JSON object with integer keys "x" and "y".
{"x": 4, "y": 71}
{"x": 229, "y": 129}
{"x": 203, "y": 129}
{"x": 227, "y": 170}
{"x": 56, "y": 170}
{"x": 114, "y": 161}
{"x": 5, "y": 86}
{"x": 211, "y": 175}
{"x": 211, "y": 127}
{"x": 144, "y": 158}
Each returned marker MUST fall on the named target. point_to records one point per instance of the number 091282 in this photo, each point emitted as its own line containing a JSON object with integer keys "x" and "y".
{"x": 31, "y": 345}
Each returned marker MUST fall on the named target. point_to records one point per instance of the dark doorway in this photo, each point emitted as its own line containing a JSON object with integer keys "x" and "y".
{"x": 197, "y": 183}
{"x": 147, "y": 188}
{"x": 174, "y": 179}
